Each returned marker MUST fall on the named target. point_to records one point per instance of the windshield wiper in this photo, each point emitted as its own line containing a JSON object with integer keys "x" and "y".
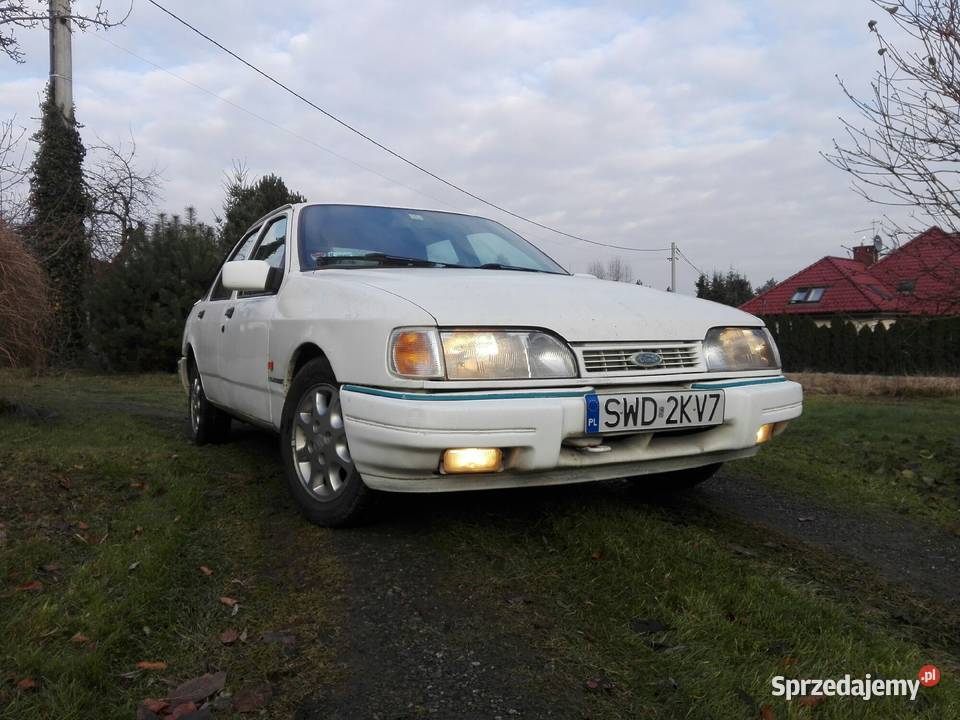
{"x": 500, "y": 266}
{"x": 385, "y": 259}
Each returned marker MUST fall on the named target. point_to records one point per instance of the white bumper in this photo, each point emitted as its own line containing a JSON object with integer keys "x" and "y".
{"x": 396, "y": 439}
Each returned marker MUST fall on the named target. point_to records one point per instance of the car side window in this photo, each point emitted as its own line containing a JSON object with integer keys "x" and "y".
{"x": 242, "y": 252}
{"x": 272, "y": 248}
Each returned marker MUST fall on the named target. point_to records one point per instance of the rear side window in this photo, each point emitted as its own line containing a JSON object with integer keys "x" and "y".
{"x": 242, "y": 252}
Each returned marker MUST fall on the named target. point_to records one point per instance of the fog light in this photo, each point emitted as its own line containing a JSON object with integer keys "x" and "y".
{"x": 471, "y": 460}
{"x": 764, "y": 433}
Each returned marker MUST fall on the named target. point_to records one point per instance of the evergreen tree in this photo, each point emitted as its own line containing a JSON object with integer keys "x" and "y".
{"x": 245, "y": 203}
{"x": 59, "y": 205}
{"x": 731, "y": 289}
{"x": 139, "y": 303}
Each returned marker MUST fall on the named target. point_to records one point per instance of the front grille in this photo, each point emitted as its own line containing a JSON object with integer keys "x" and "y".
{"x": 677, "y": 357}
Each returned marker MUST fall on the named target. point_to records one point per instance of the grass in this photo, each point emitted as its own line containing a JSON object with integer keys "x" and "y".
{"x": 594, "y": 575}
{"x": 885, "y": 455}
{"x": 888, "y": 386}
{"x": 105, "y": 504}
{"x": 108, "y": 496}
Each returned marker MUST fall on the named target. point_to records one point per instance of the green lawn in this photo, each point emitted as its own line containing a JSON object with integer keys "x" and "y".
{"x": 887, "y": 455}
{"x": 107, "y": 515}
{"x": 103, "y": 490}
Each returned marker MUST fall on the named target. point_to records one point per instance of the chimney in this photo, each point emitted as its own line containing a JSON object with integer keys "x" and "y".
{"x": 866, "y": 254}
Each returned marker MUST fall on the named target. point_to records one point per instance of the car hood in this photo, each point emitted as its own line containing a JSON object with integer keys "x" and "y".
{"x": 580, "y": 309}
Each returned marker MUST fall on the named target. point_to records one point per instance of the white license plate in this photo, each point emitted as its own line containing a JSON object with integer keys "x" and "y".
{"x": 620, "y": 412}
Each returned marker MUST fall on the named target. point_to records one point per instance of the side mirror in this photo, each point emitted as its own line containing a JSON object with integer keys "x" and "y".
{"x": 248, "y": 275}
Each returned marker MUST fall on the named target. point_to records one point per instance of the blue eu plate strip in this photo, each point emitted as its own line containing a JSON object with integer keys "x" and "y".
{"x": 593, "y": 413}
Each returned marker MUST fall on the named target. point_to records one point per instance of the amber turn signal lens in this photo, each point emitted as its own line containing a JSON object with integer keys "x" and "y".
{"x": 764, "y": 433}
{"x": 415, "y": 353}
{"x": 471, "y": 460}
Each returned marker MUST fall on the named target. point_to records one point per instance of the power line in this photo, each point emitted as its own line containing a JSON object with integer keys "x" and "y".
{"x": 383, "y": 147}
{"x": 270, "y": 122}
{"x": 689, "y": 262}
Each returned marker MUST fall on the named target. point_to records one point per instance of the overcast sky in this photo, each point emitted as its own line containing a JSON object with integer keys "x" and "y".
{"x": 632, "y": 123}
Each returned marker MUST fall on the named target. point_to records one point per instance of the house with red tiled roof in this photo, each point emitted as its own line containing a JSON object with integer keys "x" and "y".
{"x": 921, "y": 277}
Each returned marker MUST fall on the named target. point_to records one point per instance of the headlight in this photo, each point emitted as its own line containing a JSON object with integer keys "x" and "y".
{"x": 740, "y": 348}
{"x": 505, "y": 355}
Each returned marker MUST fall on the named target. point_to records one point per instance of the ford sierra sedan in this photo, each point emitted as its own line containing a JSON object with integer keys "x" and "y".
{"x": 421, "y": 351}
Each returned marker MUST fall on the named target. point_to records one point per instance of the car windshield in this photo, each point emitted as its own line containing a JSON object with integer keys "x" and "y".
{"x": 360, "y": 236}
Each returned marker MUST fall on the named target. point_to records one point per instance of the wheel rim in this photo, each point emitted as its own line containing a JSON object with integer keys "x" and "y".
{"x": 319, "y": 443}
{"x": 196, "y": 397}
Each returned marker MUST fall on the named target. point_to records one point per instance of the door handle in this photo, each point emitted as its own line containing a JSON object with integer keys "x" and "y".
{"x": 229, "y": 312}
{"x": 200, "y": 314}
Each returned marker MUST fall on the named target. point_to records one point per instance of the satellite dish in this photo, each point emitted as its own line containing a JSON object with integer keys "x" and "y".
{"x": 877, "y": 243}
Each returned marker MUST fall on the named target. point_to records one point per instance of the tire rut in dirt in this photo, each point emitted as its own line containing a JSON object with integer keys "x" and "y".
{"x": 414, "y": 648}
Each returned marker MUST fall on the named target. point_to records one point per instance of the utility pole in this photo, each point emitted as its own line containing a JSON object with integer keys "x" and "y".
{"x": 673, "y": 267}
{"x": 61, "y": 58}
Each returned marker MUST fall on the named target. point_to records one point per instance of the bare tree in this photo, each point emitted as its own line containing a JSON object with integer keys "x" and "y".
{"x": 23, "y": 14}
{"x": 616, "y": 269}
{"x": 905, "y": 148}
{"x": 121, "y": 195}
{"x": 13, "y": 172}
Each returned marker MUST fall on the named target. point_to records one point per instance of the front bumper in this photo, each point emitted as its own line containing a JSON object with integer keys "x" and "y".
{"x": 396, "y": 439}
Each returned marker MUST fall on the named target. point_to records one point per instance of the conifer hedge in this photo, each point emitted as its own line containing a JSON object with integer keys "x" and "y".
{"x": 911, "y": 346}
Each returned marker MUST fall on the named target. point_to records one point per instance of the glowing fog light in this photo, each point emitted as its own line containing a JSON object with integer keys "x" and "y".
{"x": 764, "y": 433}
{"x": 471, "y": 460}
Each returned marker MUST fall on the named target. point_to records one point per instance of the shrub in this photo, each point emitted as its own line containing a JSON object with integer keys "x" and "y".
{"x": 25, "y": 308}
{"x": 139, "y": 302}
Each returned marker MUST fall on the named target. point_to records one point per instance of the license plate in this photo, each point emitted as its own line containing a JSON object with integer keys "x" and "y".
{"x": 620, "y": 412}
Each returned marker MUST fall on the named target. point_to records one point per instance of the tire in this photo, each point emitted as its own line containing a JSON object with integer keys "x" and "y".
{"x": 208, "y": 424}
{"x": 320, "y": 473}
{"x": 676, "y": 481}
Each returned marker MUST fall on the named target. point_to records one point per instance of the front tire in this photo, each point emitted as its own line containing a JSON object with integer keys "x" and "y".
{"x": 676, "y": 481}
{"x": 319, "y": 469}
{"x": 208, "y": 424}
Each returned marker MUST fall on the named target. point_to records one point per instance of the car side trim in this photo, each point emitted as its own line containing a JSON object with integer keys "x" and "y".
{"x": 738, "y": 383}
{"x": 462, "y": 396}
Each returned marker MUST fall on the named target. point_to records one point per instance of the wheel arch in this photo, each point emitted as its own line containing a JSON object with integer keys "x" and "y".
{"x": 304, "y": 353}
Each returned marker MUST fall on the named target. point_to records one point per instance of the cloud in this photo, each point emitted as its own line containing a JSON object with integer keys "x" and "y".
{"x": 637, "y": 124}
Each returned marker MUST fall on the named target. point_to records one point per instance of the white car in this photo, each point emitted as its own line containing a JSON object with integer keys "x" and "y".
{"x": 422, "y": 351}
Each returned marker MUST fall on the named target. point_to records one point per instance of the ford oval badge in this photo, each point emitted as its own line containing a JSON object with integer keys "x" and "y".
{"x": 646, "y": 359}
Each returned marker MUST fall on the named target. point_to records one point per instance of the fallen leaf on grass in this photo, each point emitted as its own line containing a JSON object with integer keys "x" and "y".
{"x": 766, "y": 713}
{"x": 597, "y": 555}
{"x": 787, "y": 661}
{"x": 229, "y": 636}
{"x": 137, "y": 531}
{"x": 27, "y": 684}
{"x": 253, "y": 699}
{"x": 155, "y": 706}
{"x": 811, "y": 700}
{"x": 79, "y": 638}
{"x": 51, "y": 567}
{"x": 81, "y": 525}
{"x": 206, "y": 571}
{"x": 600, "y": 683}
{"x": 198, "y": 689}
{"x": 32, "y": 586}
{"x": 228, "y": 601}
{"x": 133, "y": 566}
{"x": 183, "y": 709}
{"x": 138, "y": 486}
{"x": 152, "y": 665}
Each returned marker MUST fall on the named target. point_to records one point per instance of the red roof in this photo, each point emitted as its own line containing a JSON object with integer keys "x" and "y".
{"x": 922, "y": 277}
